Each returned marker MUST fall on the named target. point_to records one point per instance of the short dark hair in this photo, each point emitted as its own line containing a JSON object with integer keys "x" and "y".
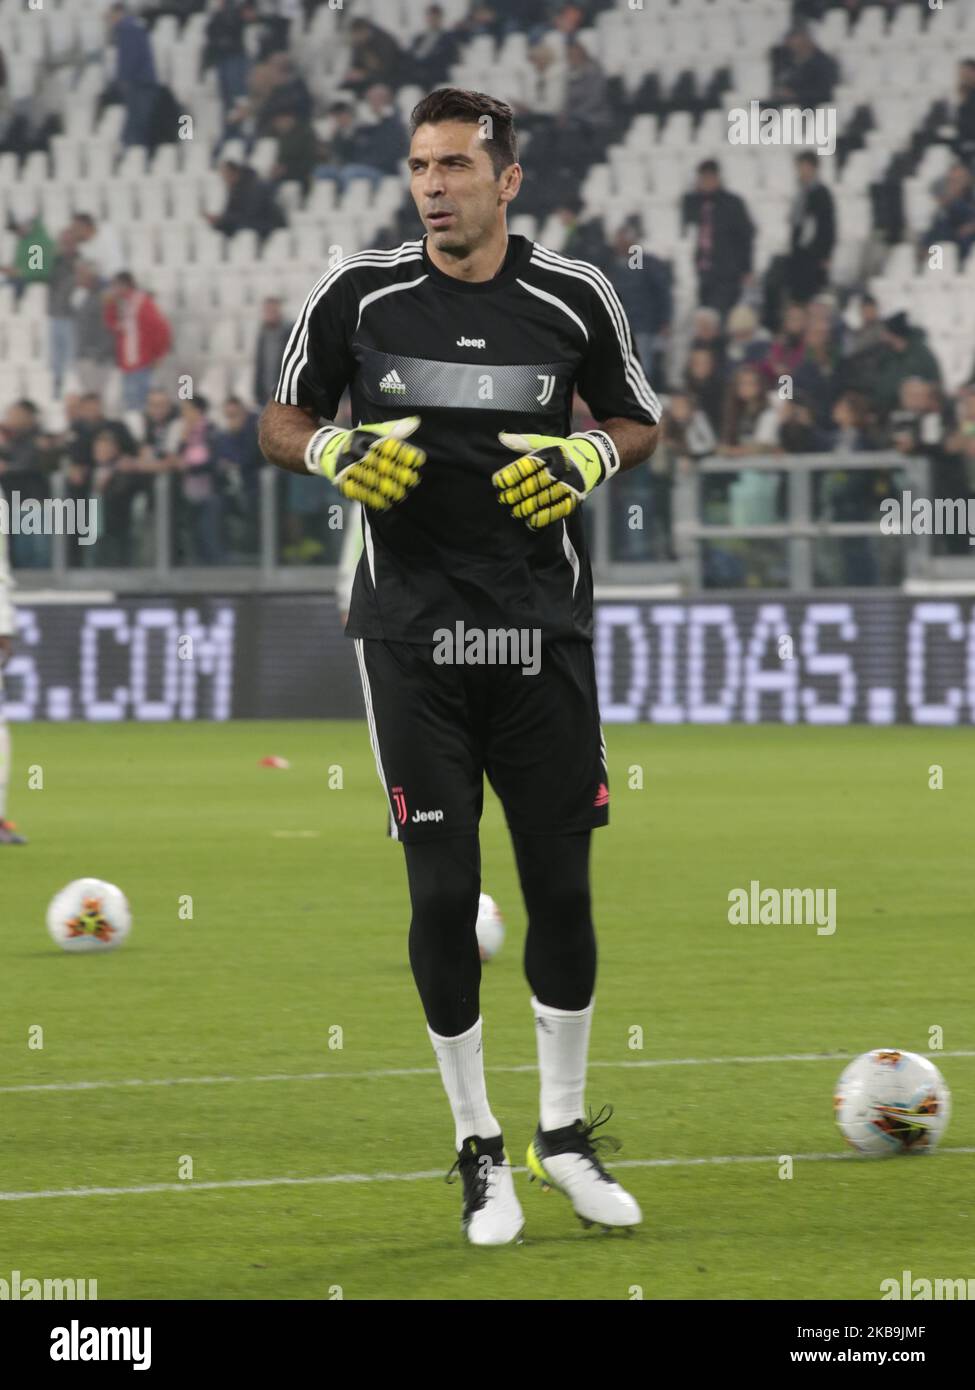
{"x": 709, "y": 166}
{"x": 25, "y": 404}
{"x": 85, "y": 217}
{"x": 125, "y": 277}
{"x": 807, "y": 157}
{"x": 454, "y": 104}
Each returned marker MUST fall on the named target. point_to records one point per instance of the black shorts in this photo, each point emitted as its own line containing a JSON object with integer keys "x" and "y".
{"x": 437, "y": 729}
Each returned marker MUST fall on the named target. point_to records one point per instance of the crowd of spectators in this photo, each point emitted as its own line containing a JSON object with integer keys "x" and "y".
{"x": 775, "y": 364}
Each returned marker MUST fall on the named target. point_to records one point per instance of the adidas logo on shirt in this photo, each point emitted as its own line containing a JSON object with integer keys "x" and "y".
{"x": 393, "y": 383}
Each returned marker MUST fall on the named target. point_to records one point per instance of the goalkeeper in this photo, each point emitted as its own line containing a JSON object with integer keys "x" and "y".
{"x": 461, "y": 351}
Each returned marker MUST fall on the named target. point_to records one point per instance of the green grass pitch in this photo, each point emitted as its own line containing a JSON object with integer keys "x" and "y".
{"x": 298, "y": 942}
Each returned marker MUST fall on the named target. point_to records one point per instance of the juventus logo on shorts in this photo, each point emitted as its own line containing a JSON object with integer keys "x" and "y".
{"x": 399, "y": 801}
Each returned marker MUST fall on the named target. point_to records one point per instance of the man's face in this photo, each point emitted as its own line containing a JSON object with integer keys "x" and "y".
{"x": 271, "y": 313}
{"x": 233, "y": 415}
{"x": 914, "y": 395}
{"x": 707, "y": 181}
{"x": 959, "y": 181}
{"x": 806, "y": 170}
{"x": 157, "y": 405}
{"x": 454, "y": 186}
{"x": 378, "y": 98}
{"x": 90, "y": 409}
{"x": 434, "y": 17}
{"x": 17, "y": 420}
{"x": 966, "y": 76}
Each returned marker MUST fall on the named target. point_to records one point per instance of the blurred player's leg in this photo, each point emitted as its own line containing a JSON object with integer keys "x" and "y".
{"x": 8, "y": 835}
{"x": 445, "y": 881}
{"x": 560, "y": 963}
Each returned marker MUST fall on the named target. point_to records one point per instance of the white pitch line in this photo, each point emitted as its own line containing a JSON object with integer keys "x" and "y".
{"x": 380, "y": 1073}
{"x": 340, "y": 1178}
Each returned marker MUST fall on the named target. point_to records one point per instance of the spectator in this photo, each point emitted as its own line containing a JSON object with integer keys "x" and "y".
{"x": 867, "y": 333}
{"x": 201, "y": 505}
{"x": 135, "y": 74}
{"x": 433, "y": 50}
{"x": 787, "y": 347}
{"x": 813, "y": 233}
{"x": 703, "y": 381}
{"x": 582, "y": 241}
{"x": 803, "y": 75}
{"x": 27, "y": 458}
{"x": 160, "y": 424}
{"x": 94, "y": 343}
{"x": 239, "y": 463}
{"x": 586, "y": 112}
{"x": 917, "y": 414}
{"x": 749, "y": 424}
{"x": 853, "y": 494}
{"x": 99, "y": 244}
{"x": 686, "y": 432}
{"x": 86, "y": 420}
{"x": 960, "y": 441}
{"x": 63, "y": 332}
{"x": 284, "y": 90}
{"x": 964, "y": 116}
{"x": 799, "y": 431}
{"x": 643, "y": 283}
{"x": 706, "y": 331}
{"x": 382, "y": 143}
{"x": 33, "y": 255}
{"x": 374, "y": 56}
{"x": 142, "y": 336}
{"x": 371, "y": 151}
{"x": 725, "y": 233}
{"x": 747, "y": 342}
{"x": 250, "y": 203}
{"x": 686, "y": 437}
{"x": 905, "y": 354}
{"x": 225, "y": 49}
{"x": 955, "y": 220}
{"x": 817, "y": 374}
{"x": 116, "y": 481}
{"x": 297, "y": 152}
{"x": 272, "y": 338}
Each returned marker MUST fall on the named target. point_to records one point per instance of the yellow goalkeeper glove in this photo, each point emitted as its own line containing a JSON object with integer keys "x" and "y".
{"x": 553, "y": 475}
{"x": 371, "y": 463}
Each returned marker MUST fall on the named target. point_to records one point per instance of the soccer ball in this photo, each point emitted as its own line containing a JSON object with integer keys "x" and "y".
{"x": 490, "y": 927}
{"x": 891, "y": 1102}
{"x": 89, "y": 915}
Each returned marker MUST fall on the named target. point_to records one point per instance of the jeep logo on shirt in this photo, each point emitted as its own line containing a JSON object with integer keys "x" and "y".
{"x": 472, "y": 342}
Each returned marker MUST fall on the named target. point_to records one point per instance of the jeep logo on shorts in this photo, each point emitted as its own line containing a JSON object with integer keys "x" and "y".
{"x": 427, "y": 815}
{"x": 472, "y": 342}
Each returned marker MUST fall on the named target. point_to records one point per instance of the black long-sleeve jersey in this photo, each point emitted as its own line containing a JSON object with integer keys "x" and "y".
{"x": 470, "y": 359}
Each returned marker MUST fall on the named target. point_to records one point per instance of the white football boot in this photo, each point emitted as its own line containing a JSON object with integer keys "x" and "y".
{"x": 492, "y": 1212}
{"x": 566, "y": 1159}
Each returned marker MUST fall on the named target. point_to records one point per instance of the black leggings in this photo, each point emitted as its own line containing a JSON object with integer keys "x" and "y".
{"x": 560, "y": 947}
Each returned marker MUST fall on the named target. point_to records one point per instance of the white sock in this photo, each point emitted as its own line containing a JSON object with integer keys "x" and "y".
{"x": 461, "y": 1064}
{"x": 563, "y": 1047}
{"x": 4, "y": 766}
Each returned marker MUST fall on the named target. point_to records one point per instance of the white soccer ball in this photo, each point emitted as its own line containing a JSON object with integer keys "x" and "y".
{"x": 891, "y": 1102}
{"x": 89, "y": 915}
{"x": 490, "y": 927}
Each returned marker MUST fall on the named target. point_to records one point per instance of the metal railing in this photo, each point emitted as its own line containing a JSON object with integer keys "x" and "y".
{"x": 774, "y": 538}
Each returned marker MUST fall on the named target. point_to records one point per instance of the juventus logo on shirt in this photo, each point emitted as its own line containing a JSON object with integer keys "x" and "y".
{"x": 548, "y": 386}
